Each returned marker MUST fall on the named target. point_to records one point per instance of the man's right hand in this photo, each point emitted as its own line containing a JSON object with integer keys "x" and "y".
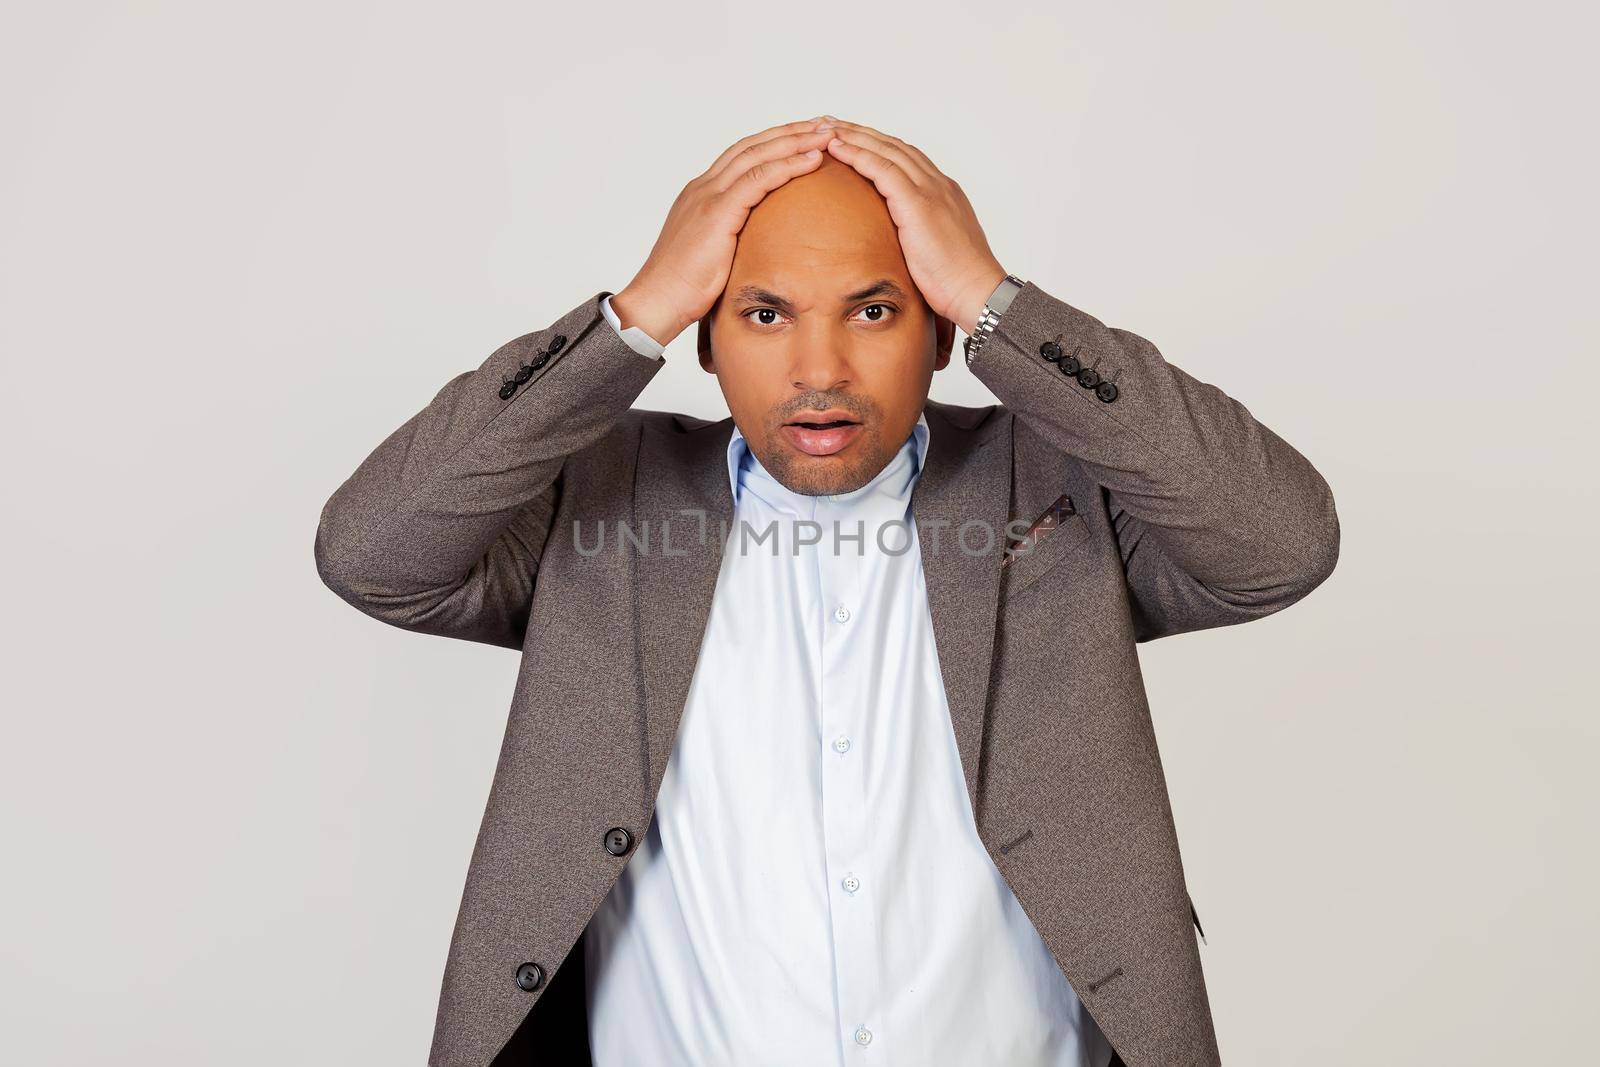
{"x": 689, "y": 265}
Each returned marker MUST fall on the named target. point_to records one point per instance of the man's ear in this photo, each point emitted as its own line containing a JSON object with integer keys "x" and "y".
{"x": 702, "y": 342}
{"x": 944, "y": 340}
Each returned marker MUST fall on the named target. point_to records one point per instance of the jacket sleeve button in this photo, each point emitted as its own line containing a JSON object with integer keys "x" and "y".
{"x": 507, "y": 389}
{"x": 524, "y": 372}
{"x": 557, "y": 343}
{"x": 1069, "y": 365}
{"x": 541, "y": 360}
{"x": 530, "y": 976}
{"x": 1088, "y": 378}
{"x": 1106, "y": 391}
{"x": 1050, "y": 351}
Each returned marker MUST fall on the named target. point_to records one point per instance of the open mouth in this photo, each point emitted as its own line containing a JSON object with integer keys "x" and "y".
{"x": 822, "y": 433}
{"x": 824, "y": 419}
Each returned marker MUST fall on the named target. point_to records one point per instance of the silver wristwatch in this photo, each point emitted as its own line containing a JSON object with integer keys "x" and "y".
{"x": 999, "y": 300}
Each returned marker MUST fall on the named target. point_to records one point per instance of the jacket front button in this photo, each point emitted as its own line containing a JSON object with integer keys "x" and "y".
{"x": 1106, "y": 391}
{"x": 530, "y": 976}
{"x": 1088, "y": 378}
{"x": 1050, "y": 351}
{"x": 618, "y": 841}
{"x": 507, "y": 389}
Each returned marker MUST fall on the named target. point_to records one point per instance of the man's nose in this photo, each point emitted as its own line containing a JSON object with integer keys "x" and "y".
{"x": 820, "y": 364}
{"x": 820, "y": 360}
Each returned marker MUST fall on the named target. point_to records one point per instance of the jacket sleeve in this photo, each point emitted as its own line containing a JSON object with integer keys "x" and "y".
{"x": 441, "y": 528}
{"x": 1218, "y": 519}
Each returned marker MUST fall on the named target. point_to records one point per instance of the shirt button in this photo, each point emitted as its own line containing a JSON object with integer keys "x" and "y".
{"x": 851, "y": 883}
{"x": 841, "y": 613}
{"x": 841, "y": 744}
{"x": 863, "y": 1036}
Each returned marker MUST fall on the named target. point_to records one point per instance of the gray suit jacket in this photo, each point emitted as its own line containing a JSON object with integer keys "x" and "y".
{"x": 1185, "y": 512}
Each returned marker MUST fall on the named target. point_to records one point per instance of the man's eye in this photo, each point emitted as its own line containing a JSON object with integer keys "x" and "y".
{"x": 769, "y": 316}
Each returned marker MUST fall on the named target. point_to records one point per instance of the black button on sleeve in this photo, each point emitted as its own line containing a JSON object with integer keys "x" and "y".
{"x": 1050, "y": 351}
{"x": 507, "y": 389}
{"x": 530, "y": 976}
{"x": 1106, "y": 391}
{"x": 557, "y": 342}
{"x": 1069, "y": 365}
{"x": 543, "y": 358}
{"x": 1088, "y": 378}
{"x": 524, "y": 372}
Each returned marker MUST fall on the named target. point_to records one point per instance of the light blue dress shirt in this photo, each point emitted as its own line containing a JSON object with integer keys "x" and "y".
{"x": 812, "y": 889}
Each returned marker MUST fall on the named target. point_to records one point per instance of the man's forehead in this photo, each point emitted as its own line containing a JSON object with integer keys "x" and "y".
{"x": 846, "y": 289}
{"x": 824, "y": 236}
{"x": 815, "y": 266}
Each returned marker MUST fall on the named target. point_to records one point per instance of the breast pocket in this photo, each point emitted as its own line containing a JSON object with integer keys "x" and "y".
{"x": 1046, "y": 554}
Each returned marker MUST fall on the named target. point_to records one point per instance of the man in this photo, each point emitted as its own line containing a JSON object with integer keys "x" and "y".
{"x": 779, "y": 786}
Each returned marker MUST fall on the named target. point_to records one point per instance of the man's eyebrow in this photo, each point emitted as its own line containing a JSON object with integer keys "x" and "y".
{"x": 755, "y": 294}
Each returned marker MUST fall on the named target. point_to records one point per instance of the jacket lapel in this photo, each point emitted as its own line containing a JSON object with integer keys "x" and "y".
{"x": 966, "y": 479}
{"x": 682, "y": 490}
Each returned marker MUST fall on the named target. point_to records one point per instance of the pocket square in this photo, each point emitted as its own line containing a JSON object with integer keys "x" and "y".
{"x": 1052, "y": 517}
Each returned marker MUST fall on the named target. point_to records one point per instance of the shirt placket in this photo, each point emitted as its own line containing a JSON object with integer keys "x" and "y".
{"x": 842, "y": 685}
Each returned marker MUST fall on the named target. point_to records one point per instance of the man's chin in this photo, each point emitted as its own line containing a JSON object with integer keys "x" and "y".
{"x": 822, "y": 475}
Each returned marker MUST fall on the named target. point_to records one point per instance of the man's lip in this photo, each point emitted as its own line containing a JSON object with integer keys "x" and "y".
{"x": 821, "y": 442}
{"x": 831, "y": 415}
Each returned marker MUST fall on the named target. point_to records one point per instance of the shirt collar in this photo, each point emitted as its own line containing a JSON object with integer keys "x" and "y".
{"x": 743, "y": 464}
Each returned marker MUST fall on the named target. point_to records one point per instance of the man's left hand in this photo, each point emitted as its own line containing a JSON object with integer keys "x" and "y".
{"x": 944, "y": 247}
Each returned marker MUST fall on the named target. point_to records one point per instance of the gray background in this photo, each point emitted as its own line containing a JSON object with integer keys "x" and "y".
{"x": 241, "y": 243}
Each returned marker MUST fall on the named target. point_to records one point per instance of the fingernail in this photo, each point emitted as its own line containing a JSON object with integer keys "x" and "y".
{"x": 814, "y": 153}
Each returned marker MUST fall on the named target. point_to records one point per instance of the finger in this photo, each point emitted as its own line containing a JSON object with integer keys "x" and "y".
{"x": 914, "y": 169}
{"x": 797, "y": 126}
{"x": 761, "y": 152}
{"x": 883, "y": 172}
{"x": 905, "y": 146}
{"x": 733, "y": 150}
{"x": 889, "y": 141}
{"x": 756, "y": 182}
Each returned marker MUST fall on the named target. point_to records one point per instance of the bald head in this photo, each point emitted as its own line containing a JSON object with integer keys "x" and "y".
{"x": 833, "y": 214}
{"x": 820, "y": 323}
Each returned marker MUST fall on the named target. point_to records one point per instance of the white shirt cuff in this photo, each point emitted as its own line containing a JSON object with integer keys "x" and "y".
{"x": 633, "y": 336}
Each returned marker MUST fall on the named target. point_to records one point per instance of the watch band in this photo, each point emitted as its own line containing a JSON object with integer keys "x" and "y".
{"x": 999, "y": 300}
